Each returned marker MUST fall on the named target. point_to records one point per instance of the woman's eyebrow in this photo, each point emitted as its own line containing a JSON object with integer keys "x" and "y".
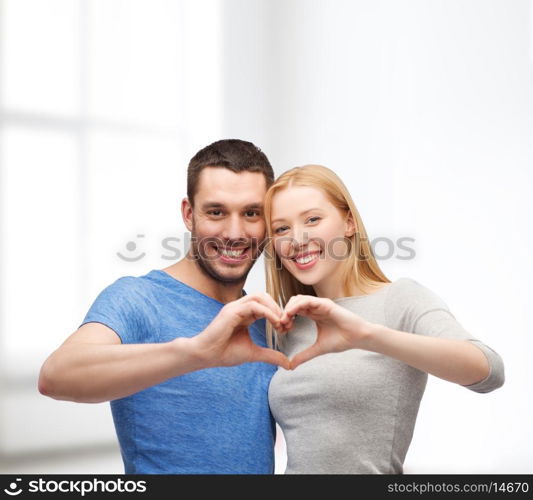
{"x": 300, "y": 214}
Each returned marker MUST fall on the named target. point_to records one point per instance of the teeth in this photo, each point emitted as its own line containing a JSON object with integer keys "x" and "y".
{"x": 232, "y": 253}
{"x": 306, "y": 259}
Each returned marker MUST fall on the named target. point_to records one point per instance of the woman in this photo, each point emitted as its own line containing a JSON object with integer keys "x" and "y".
{"x": 363, "y": 345}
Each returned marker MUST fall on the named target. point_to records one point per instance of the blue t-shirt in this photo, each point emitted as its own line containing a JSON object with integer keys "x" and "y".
{"x": 211, "y": 421}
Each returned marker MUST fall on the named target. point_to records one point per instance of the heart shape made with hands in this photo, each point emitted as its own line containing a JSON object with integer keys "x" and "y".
{"x": 338, "y": 329}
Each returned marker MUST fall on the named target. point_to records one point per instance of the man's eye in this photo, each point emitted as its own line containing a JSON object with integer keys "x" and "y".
{"x": 253, "y": 213}
{"x": 216, "y": 213}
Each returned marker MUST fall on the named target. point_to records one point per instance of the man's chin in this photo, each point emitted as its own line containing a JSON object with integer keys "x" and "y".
{"x": 225, "y": 274}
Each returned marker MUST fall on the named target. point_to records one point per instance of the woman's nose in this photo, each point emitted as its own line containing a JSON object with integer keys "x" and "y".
{"x": 300, "y": 238}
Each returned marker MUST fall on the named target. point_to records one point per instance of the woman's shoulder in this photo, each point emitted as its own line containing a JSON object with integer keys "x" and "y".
{"x": 406, "y": 281}
{"x": 407, "y": 285}
{"x": 407, "y": 295}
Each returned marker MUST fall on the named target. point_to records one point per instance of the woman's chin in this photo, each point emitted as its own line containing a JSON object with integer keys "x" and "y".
{"x": 303, "y": 278}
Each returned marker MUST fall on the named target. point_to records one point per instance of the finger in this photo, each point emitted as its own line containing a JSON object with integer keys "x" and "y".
{"x": 300, "y": 305}
{"x": 304, "y": 305}
{"x": 290, "y": 305}
{"x": 287, "y": 324}
{"x": 269, "y": 300}
{"x": 285, "y": 319}
{"x": 266, "y": 300}
{"x": 252, "y": 311}
{"x": 263, "y": 298}
{"x": 313, "y": 307}
{"x": 305, "y": 355}
{"x": 271, "y": 356}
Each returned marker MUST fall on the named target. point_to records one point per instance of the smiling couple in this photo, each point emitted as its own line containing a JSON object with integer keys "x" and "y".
{"x": 198, "y": 372}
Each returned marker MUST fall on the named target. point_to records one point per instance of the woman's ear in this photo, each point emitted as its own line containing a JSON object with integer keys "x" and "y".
{"x": 186, "y": 213}
{"x": 351, "y": 228}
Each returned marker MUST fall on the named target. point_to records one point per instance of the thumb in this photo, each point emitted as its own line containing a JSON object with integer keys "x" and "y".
{"x": 305, "y": 355}
{"x": 271, "y": 356}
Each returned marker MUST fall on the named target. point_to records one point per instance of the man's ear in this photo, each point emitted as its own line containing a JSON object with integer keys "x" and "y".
{"x": 351, "y": 228}
{"x": 186, "y": 213}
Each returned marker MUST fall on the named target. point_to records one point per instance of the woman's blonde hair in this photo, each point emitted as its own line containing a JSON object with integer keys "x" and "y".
{"x": 360, "y": 267}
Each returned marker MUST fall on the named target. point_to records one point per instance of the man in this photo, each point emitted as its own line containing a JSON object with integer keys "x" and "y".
{"x": 180, "y": 352}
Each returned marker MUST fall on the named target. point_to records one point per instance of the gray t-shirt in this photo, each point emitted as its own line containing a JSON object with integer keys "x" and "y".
{"x": 354, "y": 412}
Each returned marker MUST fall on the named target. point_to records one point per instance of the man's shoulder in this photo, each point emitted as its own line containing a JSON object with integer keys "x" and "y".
{"x": 129, "y": 286}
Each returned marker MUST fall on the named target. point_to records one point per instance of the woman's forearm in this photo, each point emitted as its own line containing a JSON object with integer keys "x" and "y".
{"x": 457, "y": 361}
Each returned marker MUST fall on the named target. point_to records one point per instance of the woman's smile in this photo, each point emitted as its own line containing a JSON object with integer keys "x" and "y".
{"x": 306, "y": 260}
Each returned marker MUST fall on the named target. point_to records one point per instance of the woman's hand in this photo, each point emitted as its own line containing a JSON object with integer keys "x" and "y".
{"x": 337, "y": 328}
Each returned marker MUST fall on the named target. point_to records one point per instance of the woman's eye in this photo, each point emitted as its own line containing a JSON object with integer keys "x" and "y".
{"x": 280, "y": 229}
{"x": 313, "y": 219}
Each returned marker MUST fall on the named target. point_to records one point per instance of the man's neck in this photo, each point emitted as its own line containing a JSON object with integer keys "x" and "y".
{"x": 187, "y": 271}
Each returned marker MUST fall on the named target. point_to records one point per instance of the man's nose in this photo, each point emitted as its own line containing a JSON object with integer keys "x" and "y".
{"x": 234, "y": 229}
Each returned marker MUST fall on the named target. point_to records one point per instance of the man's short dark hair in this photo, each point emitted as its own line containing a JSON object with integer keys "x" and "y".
{"x": 233, "y": 154}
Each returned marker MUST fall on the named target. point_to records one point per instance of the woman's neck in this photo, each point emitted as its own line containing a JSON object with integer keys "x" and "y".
{"x": 333, "y": 289}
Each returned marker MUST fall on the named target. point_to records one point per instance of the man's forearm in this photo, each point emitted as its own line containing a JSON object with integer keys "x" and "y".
{"x": 93, "y": 373}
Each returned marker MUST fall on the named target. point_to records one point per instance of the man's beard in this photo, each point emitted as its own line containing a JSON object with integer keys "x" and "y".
{"x": 205, "y": 262}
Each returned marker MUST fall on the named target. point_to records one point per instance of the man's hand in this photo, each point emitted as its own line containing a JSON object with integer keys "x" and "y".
{"x": 226, "y": 341}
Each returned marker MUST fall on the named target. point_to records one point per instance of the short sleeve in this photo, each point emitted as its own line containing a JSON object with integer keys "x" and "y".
{"x": 423, "y": 312}
{"x": 119, "y": 307}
